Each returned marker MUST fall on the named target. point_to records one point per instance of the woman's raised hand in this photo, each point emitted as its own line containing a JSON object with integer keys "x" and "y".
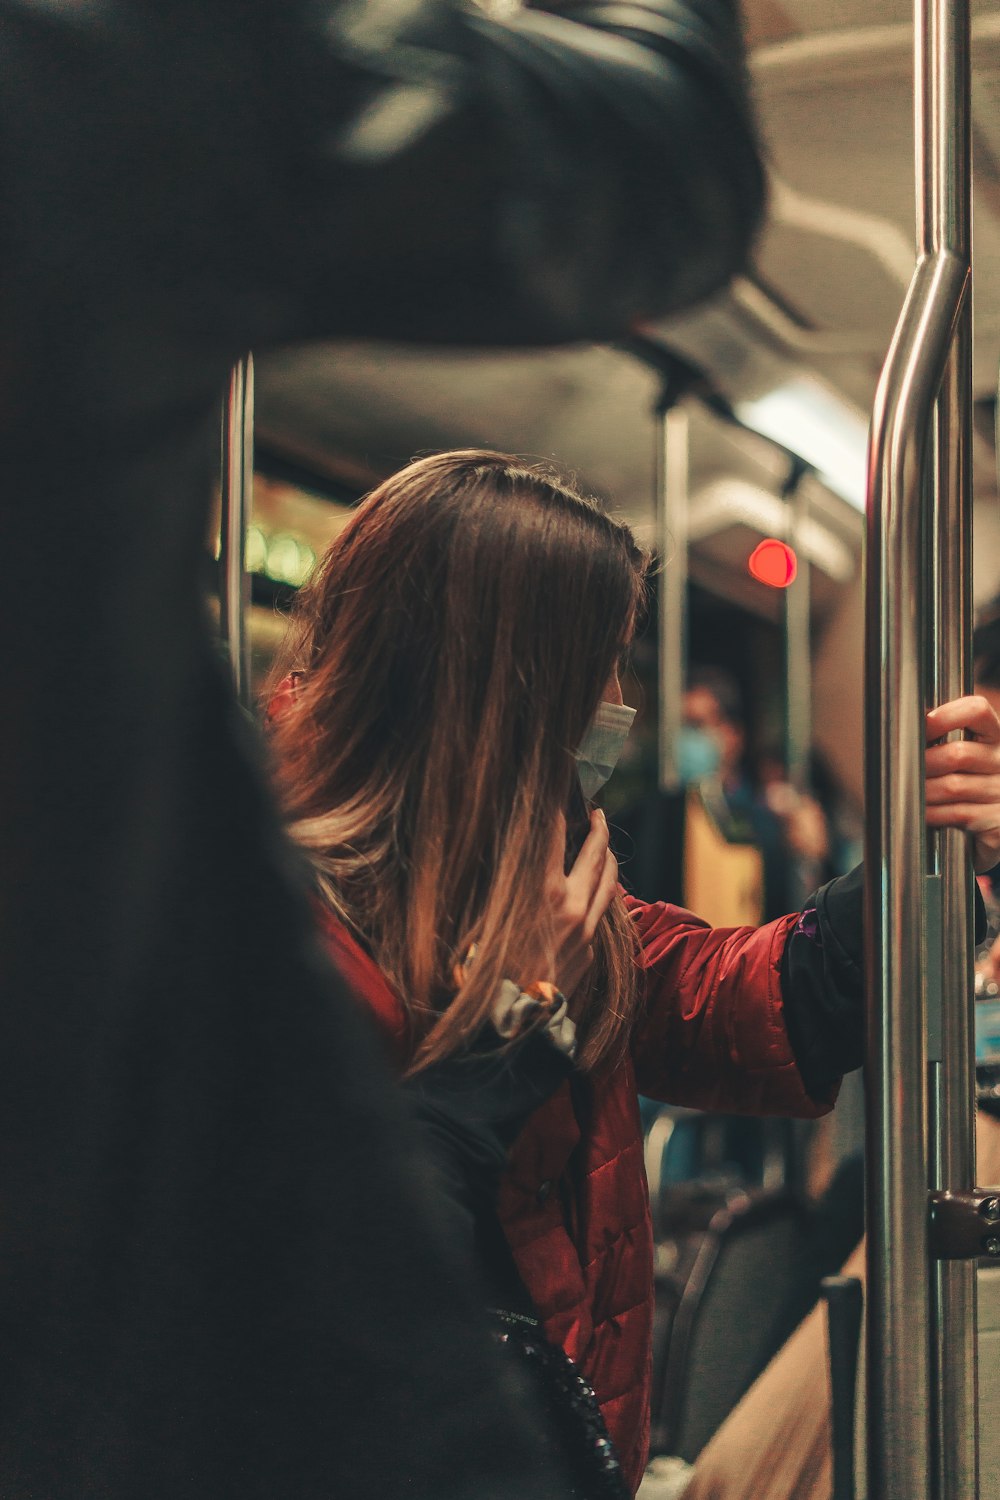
{"x": 963, "y": 776}
{"x": 577, "y": 902}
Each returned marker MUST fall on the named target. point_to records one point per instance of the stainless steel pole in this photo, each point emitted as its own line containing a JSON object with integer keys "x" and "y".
{"x": 237, "y": 504}
{"x": 898, "y": 1323}
{"x": 920, "y": 390}
{"x": 672, "y": 477}
{"x": 952, "y": 1078}
{"x": 798, "y": 647}
{"x": 945, "y": 224}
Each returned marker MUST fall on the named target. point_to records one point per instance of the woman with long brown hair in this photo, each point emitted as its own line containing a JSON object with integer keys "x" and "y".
{"x": 449, "y": 681}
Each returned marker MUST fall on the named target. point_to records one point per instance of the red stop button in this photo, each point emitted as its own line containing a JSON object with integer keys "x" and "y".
{"x": 774, "y": 563}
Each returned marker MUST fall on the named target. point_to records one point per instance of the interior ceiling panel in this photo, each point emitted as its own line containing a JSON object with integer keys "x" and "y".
{"x": 847, "y": 145}
{"x": 829, "y": 15}
{"x": 822, "y": 15}
{"x": 986, "y": 110}
{"x": 833, "y": 82}
{"x": 848, "y": 290}
{"x": 850, "y": 145}
{"x": 768, "y": 21}
{"x": 383, "y": 404}
{"x": 591, "y": 411}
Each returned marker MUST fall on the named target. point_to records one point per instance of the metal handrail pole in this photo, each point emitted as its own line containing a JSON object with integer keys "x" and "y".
{"x": 952, "y": 1077}
{"x": 672, "y": 480}
{"x": 943, "y": 116}
{"x": 943, "y": 139}
{"x": 798, "y": 645}
{"x": 237, "y": 505}
{"x": 898, "y": 1322}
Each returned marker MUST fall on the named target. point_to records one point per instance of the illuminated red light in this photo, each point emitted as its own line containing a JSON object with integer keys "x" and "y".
{"x": 773, "y": 563}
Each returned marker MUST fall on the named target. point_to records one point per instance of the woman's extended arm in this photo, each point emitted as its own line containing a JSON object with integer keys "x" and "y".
{"x": 821, "y": 967}
{"x": 753, "y": 1004}
{"x": 711, "y": 1032}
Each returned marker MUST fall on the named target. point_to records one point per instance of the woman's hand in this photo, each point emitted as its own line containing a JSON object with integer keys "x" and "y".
{"x": 963, "y": 776}
{"x": 577, "y": 902}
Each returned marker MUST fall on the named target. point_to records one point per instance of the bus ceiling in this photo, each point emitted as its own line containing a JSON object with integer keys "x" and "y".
{"x": 794, "y": 347}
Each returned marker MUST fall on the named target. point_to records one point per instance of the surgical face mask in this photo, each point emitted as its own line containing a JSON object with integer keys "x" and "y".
{"x": 698, "y": 754}
{"x": 602, "y": 745}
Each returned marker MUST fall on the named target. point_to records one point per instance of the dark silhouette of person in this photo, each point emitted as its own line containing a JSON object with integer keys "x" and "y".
{"x": 220, "y": 1273}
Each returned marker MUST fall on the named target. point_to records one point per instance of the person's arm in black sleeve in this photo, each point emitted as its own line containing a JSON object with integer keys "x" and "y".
{"x": 547, "y": 176}
{"x": 250, "y": 176}
{"x": 822, "y": 982}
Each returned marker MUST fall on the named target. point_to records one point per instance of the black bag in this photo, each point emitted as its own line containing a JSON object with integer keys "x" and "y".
{"x": 569, "y": 1414}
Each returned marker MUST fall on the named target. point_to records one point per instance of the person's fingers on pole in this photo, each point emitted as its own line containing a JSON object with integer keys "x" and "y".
{"x": 971, "y": 817}
{"x": 955, "y": 789}
{"x": 965, "y": 771}
{"x": 972, "y": 713}
{"x": 962, "y": 788}
{"x": 975, "y": 757}
{"x": 980, "y": 820}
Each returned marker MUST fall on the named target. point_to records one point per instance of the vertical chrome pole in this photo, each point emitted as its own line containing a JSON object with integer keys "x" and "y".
{"x": 672, "y": 477}
{"x": 919, "y": 1420}
{"x": 237, "y": 504}
{"x": 897, "y": 1322}
{"x": 952, "y": 1079}
{"x": 944, "y": 224}
{"x": 798, "y": 645}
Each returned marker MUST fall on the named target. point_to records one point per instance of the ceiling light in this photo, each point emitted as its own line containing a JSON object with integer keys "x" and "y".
{"x": 813, "y": 422}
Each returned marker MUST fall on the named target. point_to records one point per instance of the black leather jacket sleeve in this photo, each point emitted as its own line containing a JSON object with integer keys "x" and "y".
{"x": 544, "y": 176}
{"x": 822, "y": 982}
{"x": 196, "y": 180}
{"x": 214, "y": 1255}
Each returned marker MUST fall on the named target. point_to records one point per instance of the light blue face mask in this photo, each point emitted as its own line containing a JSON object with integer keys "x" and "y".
{"x": 602, "y": 745}
{"x": 698, "y": 754}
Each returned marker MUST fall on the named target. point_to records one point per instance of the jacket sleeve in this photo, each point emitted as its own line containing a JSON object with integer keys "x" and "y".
{"x": 541, "y": 177}
{"x": 822, "y": 980}
{"x": 711, "y": 1032}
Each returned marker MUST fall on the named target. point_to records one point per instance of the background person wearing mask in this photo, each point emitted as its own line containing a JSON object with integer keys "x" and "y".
{"x": 788, "y": 827}
{"x": 217, "y": 1274}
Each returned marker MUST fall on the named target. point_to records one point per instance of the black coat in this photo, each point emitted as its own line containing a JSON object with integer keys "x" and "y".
{"x": 218, "y": 1275}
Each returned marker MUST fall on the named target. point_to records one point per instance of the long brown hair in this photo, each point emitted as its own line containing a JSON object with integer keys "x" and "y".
{"x": 453, "y": 645}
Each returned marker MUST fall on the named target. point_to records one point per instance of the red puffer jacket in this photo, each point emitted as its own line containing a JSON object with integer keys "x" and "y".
{"x": 574, "y": 1203}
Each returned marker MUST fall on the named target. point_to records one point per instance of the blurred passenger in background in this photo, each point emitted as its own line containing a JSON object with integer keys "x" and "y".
{"x": 786, "y": 825}
{"x": 217, "y": 1274}
{"x": 806, "y": 823}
